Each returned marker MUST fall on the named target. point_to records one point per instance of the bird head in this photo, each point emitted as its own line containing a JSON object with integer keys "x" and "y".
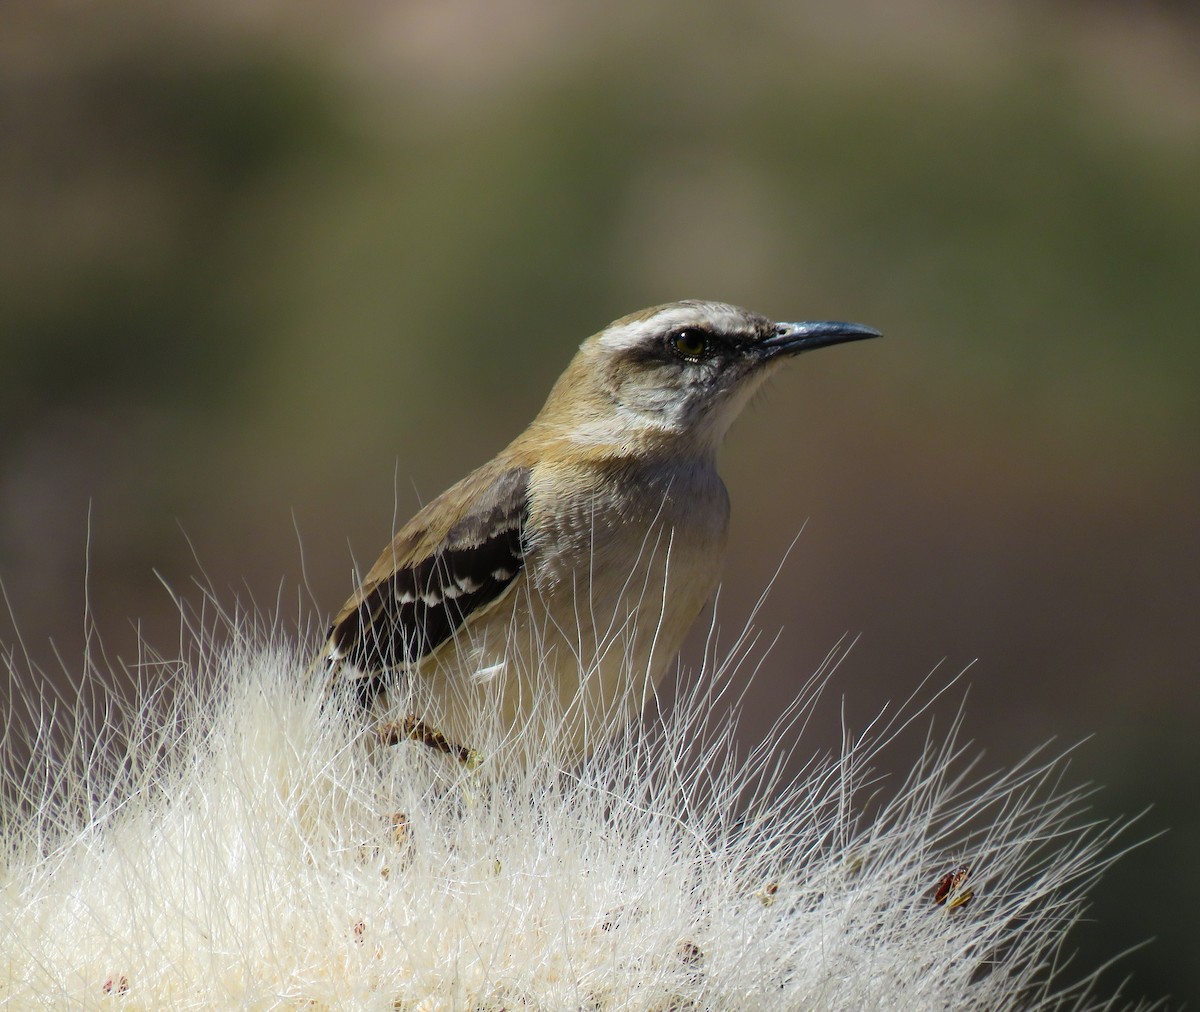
{"x": 677, "y": 375}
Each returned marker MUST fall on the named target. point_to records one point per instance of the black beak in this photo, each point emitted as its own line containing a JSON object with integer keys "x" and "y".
{"x": 794, "y": 338}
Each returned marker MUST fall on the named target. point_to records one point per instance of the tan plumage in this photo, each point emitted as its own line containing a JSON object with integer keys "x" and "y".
{"x": 552, "y": 586}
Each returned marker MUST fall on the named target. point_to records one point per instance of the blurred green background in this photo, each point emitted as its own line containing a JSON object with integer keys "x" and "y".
{"x": 273, "y": 274}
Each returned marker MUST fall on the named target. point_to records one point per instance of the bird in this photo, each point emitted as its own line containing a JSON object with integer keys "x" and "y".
{"x": 548, "y": 591}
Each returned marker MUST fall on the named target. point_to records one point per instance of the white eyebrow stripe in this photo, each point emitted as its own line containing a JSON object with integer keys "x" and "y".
{"x": 713, "y": 316}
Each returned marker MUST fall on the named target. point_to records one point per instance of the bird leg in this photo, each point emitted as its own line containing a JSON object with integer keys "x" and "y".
{"x": 413, "y": 728}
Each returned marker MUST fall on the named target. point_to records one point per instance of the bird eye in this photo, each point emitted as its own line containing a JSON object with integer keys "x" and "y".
{"x": 690, "y": 343}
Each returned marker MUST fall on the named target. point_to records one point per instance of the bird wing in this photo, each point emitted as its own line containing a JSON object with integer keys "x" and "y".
{"x": 453, "y": 560}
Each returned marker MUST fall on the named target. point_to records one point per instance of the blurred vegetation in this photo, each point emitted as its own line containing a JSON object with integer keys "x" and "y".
{"x": 260, "y": 263}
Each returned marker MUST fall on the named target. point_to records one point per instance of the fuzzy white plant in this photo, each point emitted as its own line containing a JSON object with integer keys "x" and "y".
{"x": 250, "y": 845}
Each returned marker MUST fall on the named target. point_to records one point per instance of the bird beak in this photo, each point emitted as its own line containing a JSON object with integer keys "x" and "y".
{"x": 794, "y": 338}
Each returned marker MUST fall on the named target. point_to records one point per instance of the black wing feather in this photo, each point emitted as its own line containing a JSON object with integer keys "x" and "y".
{"x": 415, "y": 609}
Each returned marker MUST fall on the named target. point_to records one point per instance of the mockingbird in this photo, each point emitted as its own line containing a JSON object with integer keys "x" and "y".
{"x": 550, "y": 587}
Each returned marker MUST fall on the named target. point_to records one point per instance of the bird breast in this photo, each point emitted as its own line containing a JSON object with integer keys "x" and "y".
{"x": 643, "y": 544}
